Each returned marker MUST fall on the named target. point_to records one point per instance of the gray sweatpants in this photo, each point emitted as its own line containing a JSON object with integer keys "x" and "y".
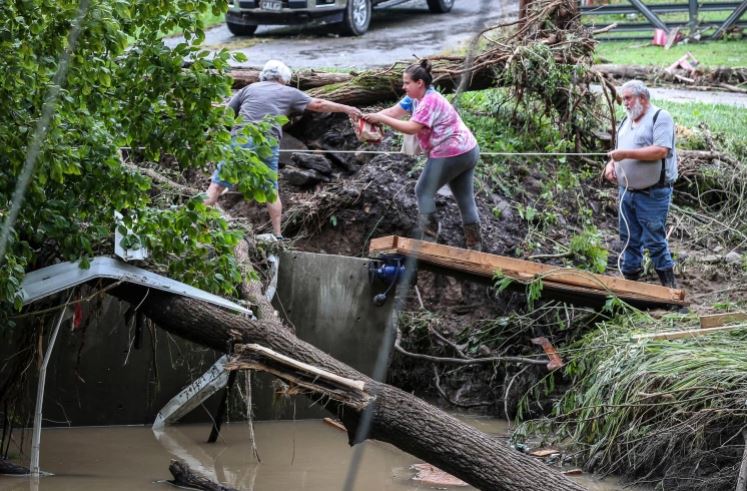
{"x": 459, "y": 173}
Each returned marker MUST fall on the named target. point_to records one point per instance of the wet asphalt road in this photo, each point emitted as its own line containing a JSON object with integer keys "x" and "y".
{"x": 396, "y": 33}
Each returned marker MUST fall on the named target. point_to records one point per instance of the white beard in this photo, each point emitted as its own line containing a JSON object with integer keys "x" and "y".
{"x": 635, "y": 111}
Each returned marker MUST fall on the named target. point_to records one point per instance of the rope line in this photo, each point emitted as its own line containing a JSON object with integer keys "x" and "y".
{"x": 491, "y": 154}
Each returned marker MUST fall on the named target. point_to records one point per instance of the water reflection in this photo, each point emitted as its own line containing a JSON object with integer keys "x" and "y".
{"x": 303, "y": 455}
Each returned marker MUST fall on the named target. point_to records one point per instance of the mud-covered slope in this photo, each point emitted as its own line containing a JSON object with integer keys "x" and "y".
{"x": 530, "y": 208}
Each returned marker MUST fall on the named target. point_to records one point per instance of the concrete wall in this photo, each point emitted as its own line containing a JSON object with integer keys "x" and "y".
{"x": 100, "y": 377}
{"x": 329, "y": 300}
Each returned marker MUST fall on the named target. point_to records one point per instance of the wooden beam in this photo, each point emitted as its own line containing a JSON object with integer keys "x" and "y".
{"x": 487, "y": 265}
{"x": 690, "y": 333}
{"x": 257, "y": 357}
{"x": 717, "y": 320}
{"x": 256, "y": 349}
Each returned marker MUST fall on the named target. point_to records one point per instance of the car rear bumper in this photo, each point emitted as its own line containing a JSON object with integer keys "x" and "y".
{"x": 247, "y": 12}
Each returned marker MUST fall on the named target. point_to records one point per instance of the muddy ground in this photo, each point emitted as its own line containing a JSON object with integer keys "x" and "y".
{"x": 356, "y": 197}
{"x": 336, "y": 203}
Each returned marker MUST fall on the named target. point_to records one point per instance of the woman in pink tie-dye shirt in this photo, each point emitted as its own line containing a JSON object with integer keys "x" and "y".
{"x": 450, "y": 146}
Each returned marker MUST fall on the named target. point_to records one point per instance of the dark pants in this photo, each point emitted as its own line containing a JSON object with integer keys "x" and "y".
{"x": 646, "y": 215}
{"x": 459, "y": 173}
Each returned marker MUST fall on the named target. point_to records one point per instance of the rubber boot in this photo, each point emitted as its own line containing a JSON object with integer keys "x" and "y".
{"x": 633, "y": 275}
{"x": 429, "y": 228}
{"x": 472, "y": 237}
{"x": 666, "y": 277}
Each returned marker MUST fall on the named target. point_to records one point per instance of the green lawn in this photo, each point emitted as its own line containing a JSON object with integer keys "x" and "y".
{"x": 728, "y": 122}
{"x": 710, "y": 53}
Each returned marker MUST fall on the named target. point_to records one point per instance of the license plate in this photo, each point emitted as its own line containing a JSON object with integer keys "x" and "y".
{"x": 274, "y": 5}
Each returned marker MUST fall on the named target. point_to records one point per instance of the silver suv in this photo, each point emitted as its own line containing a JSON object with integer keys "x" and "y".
{"x": 353, "y": 16}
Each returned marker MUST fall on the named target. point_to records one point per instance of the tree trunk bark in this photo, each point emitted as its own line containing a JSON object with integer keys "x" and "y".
{"x": 399, "y": 418}
{"x": 719, "y": 78}
{"x": 303, "y": 80}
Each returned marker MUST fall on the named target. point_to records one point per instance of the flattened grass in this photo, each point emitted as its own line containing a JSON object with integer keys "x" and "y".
{"x": 732, "y": 53}
{"x": 671, "y": 411}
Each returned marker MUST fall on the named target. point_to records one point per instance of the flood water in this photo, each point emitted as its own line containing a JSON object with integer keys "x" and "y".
{"x": 302, "y": 455}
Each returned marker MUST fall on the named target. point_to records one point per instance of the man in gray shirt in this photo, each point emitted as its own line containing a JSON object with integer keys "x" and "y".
{"x": 271, "y": 96}
{"x": 644, "y": 166}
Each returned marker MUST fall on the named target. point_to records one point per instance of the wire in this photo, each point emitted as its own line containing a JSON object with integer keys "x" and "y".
{"x": 624, "y": 219}
{"x": 490, "y": 154}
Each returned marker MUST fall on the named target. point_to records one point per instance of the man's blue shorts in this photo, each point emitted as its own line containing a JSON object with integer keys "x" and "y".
{"x": 271, "y": 162}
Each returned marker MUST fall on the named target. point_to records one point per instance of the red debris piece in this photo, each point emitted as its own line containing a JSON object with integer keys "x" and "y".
{"x": 77, "y": 316}
{"x": 555, "y": 360}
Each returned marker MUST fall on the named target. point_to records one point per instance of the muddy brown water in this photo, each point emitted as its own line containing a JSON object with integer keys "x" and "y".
{"x": 303, "y": 455}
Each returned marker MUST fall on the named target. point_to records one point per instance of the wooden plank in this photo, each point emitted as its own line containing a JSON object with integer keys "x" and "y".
{"x": 551, "y": 285}
{"x": 484, "y": 264}
{"x": 717, "y": 320}
{"x": 384, "y": 245}
{"x": 690, "y": 333}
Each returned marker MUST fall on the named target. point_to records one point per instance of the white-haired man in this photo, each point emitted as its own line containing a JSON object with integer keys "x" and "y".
{"x": 644, "y": 165}
{"x": 271, "y": 96}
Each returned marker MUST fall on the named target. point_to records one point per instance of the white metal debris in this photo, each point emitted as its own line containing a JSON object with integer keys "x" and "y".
{"x": 56, "y": 278}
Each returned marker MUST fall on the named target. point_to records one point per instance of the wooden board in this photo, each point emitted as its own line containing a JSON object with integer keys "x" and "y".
{"x": 487, "y": 265}
{"x": 717, "y": 320}
{"x": 690, "y": 333}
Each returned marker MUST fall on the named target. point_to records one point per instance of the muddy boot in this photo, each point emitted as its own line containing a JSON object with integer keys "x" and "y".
{"x": 666, "y": 277}
{"x": 633, "y": 275}
{"x": 472, "y": 237}
{"x": 429, "y": 228}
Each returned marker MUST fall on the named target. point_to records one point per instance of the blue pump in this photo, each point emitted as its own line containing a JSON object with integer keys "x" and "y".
{"x": 387, "y": 269}
{"x": 390, "y": 272}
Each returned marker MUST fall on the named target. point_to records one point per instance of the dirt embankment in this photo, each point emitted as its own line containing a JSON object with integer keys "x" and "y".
{"x": 335, "y": 203}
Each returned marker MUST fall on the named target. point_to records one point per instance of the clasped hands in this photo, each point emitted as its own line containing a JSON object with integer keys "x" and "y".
{"x": 610, "y": 173}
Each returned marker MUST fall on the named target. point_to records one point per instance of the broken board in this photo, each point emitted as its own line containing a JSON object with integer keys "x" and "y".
{"x": 570, "y": 284}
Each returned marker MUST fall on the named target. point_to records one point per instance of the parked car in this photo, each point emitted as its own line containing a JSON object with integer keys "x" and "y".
{"x": 353, "y": 16}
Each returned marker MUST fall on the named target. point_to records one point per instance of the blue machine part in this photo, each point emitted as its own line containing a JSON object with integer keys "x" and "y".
{"x": 390, "y": 272}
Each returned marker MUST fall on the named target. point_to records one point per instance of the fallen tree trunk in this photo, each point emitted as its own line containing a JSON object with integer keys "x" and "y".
{"x": 373, "y": 86}
{"x": 717, "y": 78}
{"x": 304, "y": 80}
{"x": 399, "y": 418}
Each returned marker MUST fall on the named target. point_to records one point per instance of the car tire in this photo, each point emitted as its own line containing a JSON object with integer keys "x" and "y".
{"x": 357, "y": 18}
{"x": 440, "y": 6}
{"x": 240, "y": 29}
